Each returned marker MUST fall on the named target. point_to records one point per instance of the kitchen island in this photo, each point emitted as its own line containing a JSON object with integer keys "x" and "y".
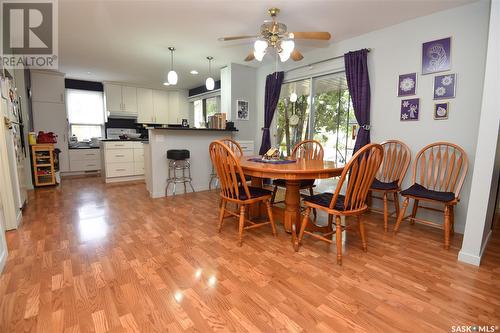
{"x": 196, "y": 140}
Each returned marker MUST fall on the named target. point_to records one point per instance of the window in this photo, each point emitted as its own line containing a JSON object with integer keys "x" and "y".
{"x": 204, "y": 108}
{"x": 85, "y": 113}
{"x": 328, "y": 119}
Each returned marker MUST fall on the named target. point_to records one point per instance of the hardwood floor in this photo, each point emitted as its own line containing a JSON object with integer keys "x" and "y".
{"x": 91, "y": 257}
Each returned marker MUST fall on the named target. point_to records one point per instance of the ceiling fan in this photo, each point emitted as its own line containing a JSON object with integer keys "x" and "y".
{"x": 274, "y": 34}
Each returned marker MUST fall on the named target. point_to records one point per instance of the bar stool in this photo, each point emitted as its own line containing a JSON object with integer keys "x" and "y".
{"x": 178, "y": 161}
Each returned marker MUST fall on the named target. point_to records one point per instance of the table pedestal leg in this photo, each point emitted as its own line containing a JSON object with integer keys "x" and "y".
{"x": 291, "y": 219}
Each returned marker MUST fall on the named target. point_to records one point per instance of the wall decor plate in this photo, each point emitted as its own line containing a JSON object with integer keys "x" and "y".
{"x": 436, "y": 56}
{"x": 441, "y": 110}
{"x": 407, "y": 84}
{"x": 444, "y": 86}
{"x": 410, "y": 109}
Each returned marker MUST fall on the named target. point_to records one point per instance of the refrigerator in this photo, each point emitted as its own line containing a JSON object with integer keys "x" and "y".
{"x": 15, "y": 151}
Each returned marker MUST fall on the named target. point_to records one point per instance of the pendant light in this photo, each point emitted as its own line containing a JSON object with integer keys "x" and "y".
{"x": 210, "y": 83}
{"x": 172, "y": 75}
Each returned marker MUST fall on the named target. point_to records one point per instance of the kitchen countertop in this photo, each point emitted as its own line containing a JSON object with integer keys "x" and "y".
{"x": 84, "y": 147}
{"x": 125, "y": 140}
{"x": 193, "y": 129}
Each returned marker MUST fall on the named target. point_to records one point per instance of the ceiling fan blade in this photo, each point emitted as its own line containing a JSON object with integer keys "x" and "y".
{"x": 296, "y": 55}
{"x": 321, "y": 35}
{"x": 250, "y": 57}
{"x": 225, "y": 39}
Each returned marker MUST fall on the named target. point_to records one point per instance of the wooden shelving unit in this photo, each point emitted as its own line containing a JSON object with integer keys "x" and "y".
{"x": 43, "y": 164}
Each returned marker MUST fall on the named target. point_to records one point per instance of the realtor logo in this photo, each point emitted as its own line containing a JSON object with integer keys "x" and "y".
{"x": 29, "y": 36}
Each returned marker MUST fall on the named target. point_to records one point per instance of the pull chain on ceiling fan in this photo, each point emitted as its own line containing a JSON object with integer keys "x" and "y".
{"x": 274, "y": 34}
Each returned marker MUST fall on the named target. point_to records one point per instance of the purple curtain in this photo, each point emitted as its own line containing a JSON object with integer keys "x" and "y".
{"x": 356, "y": 70}
{"x": 273, "y": 88}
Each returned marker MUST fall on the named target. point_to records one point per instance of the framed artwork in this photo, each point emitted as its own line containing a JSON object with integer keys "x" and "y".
{"x": 242, "y": 110}
{"x": 407, "y": 84}
{"x": 410, "y": 109}
{"x": 444, "y": 86}
{"x": 441, "y": 110}
{"x": 436, "y": 56}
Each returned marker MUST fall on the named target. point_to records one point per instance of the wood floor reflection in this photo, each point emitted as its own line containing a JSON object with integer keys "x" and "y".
{"x": 91, "y": 257}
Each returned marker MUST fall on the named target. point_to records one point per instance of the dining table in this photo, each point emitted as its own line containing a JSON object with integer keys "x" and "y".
{"x": 293, "y": 172}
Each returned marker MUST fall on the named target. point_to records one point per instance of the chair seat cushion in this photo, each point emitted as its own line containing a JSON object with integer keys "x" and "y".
{"x": 304, "y": 183}
{"x": 255, "y": 192}
{"x": 417, "y": 190}
{"x": 324, "y": 200}
{"x": 378, "y": 185}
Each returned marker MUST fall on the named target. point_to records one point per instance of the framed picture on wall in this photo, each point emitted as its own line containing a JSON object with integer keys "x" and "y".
{"x": 441, "y": 110}
{"x": 407, "y": 84}
{"x": 409, "y": 109}
{"x": 436, "y": 56}
{"x": 444, "y": 86}
{"x": 242, "y": 112}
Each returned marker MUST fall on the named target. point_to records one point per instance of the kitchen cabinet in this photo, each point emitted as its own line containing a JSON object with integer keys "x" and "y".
{"x": 121, "y": 101}
{"x": 47, "y": 87}
{"x": 123, "y": 161}
{"x": 174, "y": 107}
{"x": 161, "y": 106}
{"x": 145, "y": 111}
{"x": 51, "y": 117}
{"x": 83, "y": 160}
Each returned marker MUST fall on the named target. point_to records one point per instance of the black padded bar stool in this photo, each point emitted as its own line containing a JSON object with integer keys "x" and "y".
{"x": 178, "y": 161}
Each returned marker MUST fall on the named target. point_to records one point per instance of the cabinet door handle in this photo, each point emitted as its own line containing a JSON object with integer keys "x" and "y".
{"x": 120, "y": 155}
{"x": 89, "y": 165}
{"x": 89, "y": 154}
{"x": 117, "y": 145}
{"x": 119, "y": 169}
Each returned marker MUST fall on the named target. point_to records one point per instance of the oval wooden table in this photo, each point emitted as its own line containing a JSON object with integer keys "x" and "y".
{"x": 292, "y": 173}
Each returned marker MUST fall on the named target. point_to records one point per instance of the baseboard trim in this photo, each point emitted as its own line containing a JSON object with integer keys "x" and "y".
{"x": 472, "y": 258}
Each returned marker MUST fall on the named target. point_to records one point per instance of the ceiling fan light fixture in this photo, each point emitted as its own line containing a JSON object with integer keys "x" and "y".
{"x": 288, "y": 45}
{"x": 260, "y": 46}
{"x": 172, "y": 76}
{"x": 258, "y": 55}
{"x": 284, "y": 56}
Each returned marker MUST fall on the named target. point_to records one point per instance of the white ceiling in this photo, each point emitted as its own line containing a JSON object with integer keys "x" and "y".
{"x": 127, "y": 40}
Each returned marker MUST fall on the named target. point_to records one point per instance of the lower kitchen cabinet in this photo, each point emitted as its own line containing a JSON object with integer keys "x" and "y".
{"x": 84, "y": 160}
{"x": 123, "y": 161}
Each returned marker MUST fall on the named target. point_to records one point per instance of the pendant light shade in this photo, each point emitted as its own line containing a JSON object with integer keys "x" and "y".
{"x": 172, "y": 75}
{"x": 209, "y": 82}
{"x": 172, "y": 78}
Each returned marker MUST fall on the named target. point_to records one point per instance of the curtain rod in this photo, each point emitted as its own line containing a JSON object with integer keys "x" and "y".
{"x": 317, "y": 62}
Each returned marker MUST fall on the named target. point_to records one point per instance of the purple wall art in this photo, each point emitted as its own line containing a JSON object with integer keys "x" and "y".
{"x": 436, "y": 56}
{"x": 410, "y": 109}
{"x": 407, "y": 84}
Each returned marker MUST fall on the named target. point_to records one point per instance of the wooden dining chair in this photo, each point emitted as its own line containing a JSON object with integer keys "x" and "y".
{"x": 238, "y": 152}
{"x": 359, "y": 173}
{"x": 439, "y": 172}
{"x": 306, "y": 150}
{"x": 390, "y": 176}
{"x": 228, "y": 170}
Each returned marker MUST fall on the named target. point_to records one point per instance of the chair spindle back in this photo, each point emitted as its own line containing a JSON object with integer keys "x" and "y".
{"x": 234, "y": 146}
{"x": 441, "y": 166}
{"x": 360, "y": 172}
{"x": 396, "y": 160}
{"x": 308, "y": 150}
{"x": 227, "y": 167}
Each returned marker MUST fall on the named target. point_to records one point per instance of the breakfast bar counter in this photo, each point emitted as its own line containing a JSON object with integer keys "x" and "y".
{"x": 196, "y": 140}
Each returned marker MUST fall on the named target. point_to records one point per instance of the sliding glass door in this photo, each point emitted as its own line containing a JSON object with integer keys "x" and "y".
{"x": 327, "y": 117}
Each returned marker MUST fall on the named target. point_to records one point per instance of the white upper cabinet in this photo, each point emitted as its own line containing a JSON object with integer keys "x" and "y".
{"x": 113, "y": 95}
{"x": 121, "y": 101}
{"x": 47, "y": 87}
{"x": 161, "y": 106}
{"x": 129, "y": 97}
{"x": 145, "y": 111}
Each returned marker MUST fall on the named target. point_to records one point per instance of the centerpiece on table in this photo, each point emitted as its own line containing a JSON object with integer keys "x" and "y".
{"x": 272, "y": 156}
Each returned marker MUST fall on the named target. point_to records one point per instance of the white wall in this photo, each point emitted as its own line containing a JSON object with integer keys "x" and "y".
{"x": 243, "y": 83}
{"x": 487, "y": 162}
{"x": 397, "y": 50}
